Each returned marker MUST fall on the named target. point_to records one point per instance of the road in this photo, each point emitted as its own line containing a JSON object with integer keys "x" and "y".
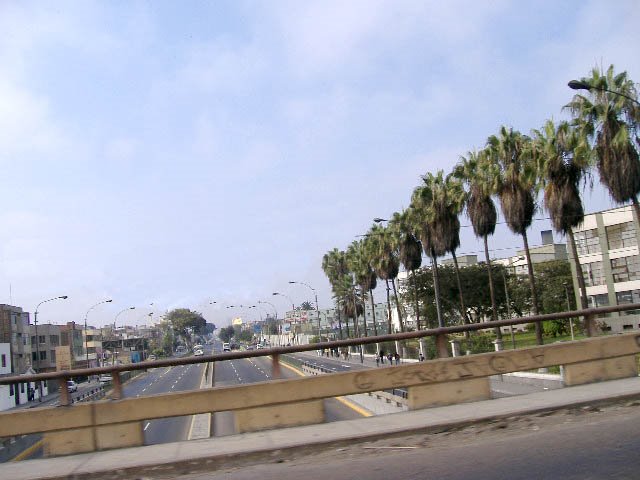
{"x": 250, "y": 370}
{"x": 576, "y": 444}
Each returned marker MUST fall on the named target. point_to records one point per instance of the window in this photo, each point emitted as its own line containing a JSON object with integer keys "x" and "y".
{"x": 621, "y": 235}
{"x": 22, "y": 388}
{"x": 4, "y": 360}
{"x": 630, "y": 296}
{"x": 43, "y": 355}
{"x": 11, "y": 390}
{"x": 587, "y": 242}
{"x": 54, "y": 340}
{"x": 53, "y": 356}
{"x": 34, "y": 356}
{"x": 42, "y": 338}
{"x": 33, "y": 339}
{"x": 593, "y": 274}
{"x": 626, "y": 268}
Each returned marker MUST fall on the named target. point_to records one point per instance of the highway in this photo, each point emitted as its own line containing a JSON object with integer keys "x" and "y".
{"x": 234, "y": 372}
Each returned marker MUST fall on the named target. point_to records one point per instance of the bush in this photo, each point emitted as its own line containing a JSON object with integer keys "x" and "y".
{"x": 480, "y": 343}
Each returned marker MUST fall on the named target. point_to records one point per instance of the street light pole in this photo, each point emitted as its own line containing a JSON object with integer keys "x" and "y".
{"x": 86, "y": 339}
{"x": 116, "y": 319}
{"x": 35, "y": 322}
{"x": 317, "y": 309}
{"x": 293, "y": 307}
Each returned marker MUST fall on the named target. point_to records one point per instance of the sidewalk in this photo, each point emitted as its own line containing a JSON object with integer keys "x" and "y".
{"x": 168, "y": 460}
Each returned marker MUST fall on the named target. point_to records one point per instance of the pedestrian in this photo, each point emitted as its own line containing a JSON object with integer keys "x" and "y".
{"x": 421, "y": 358}
{"x": 390, "y": 358}
{"x": 397, "y": 357}
{"x": 382, "y": 356}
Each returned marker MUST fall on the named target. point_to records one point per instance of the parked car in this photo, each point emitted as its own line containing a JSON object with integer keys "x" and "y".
{"x": 226, "y": 347}
{"x": 104, "y": 379}
{"x": 198, "y": 353}
{"x": 152, "y": 357}
{"x": 72, "y": 386}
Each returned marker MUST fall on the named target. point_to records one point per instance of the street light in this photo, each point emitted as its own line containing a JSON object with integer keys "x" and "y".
{"x": 380, "y": 220}
{"x": 114, "y": 324}
{"x": 35, "y": 322}
{"x": 317, "y": 310}
{"x": 580, "y": 85}
{"x": 86, "y": 337}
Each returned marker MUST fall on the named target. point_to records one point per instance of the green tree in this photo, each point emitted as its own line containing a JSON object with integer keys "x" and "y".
{"x": 517, "y": 184}
{"x": 334, "y": 265}
{"x": 306, "y": 305}
{"x": 611, "y": 122}
{"x": 364, "y": 276}
{"x": 184, "y": 320}
{"x": 227, "y": 333}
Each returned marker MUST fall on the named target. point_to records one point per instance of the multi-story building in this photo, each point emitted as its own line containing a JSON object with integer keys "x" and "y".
{"x": 71, "y": 337}
{"x": 308, "y": 319}
{"x": 548, "y": 251}
{"x": 43, "y": 347}
{"x": 607, "y": 248}
{"x": 21, "y": 392}
{"x": 14, "y": 330}
{"x": 92, "y": 340}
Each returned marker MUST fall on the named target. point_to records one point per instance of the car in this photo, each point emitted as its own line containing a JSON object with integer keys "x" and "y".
{"x": 152, "y": 357}
{"x": 104, "y": 379}
{"x": 226, "y": 347}
{"x": 197, "y": 347}
{"x": 72, "y": 386}
{"x": 198, "y": 353}
{"x": 258, "y": 347}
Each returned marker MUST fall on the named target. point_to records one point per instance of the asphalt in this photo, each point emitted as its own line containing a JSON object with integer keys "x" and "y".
{"x": 175, "y": 459}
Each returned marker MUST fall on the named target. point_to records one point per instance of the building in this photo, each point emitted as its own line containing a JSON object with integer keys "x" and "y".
{"x": 72, "y": 338}
{"x": 607, "y": 248}
{"x": 14, "y": 330}
{"x": 547, "y": 252}
{"x": 43, "y": 346}
{"x": 17, "y": 393}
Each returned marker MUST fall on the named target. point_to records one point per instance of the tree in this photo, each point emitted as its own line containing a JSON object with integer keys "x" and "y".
{"x": 382, "y": 251}
{"x": 334, "y": 265}
{"x": 563, "y": 158}
{"x": 611, "y": 122}
{"x": 364, "y": 277}
{"x": 516, "y": 184}
{"x": 227, "y": 333}
{"x": 183, "y": 320}
{"x": 409, "y": 251}
{"x": 306, "y": 305}
{"x": 480, "y": 175}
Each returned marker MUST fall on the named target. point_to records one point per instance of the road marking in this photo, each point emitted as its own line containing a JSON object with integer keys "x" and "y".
{"x": 173, "y": 386}
{"x": 147, "y": 426}
{"x": 27, "y": 452}
{"x": 144, "y": 389}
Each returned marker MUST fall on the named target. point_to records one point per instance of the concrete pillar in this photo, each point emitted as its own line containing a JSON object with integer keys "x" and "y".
{"x": 498, "y": 344}
{"x": 455, "y": 348}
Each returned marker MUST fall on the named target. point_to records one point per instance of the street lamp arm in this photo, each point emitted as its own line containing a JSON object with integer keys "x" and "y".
{"x": 580, "y": 85}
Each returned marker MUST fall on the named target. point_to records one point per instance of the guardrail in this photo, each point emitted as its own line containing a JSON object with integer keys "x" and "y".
{"x": 589, "y": 315}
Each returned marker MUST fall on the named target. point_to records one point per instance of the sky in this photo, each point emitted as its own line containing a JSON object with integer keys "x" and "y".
{"x": 172, "y": 154}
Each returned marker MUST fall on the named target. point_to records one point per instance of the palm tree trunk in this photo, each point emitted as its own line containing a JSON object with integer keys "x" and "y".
{"x": 364, "y": 311}
{"x": 415, "y": 295}
{"x": 395, "y": 293}
{"x": 584, "y": 303}
{"x": 356, "y": 327}
{"x": 463, "y": 309}
{"x": 373, "y": 313}
{"x": 492, "y": 294}
{"x": 388, "y": 309}
{"x": 436, "y": 288}
{"x": 532, "y": 283}
{"x": 339, "y": 319}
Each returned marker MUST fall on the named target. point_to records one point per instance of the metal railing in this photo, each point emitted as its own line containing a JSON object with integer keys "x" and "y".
{"x": 589, "y": 315}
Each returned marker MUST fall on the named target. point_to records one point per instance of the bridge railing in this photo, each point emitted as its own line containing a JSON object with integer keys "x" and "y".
{"x": 589, "y": 316}
{"x": 118, "y": 423}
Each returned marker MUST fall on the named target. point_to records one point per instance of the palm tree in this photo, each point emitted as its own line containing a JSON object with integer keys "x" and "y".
{"x": 334, "y": 266}
{"x": 611, "y": 122}
{"x": 516, "y": 184}
{"x": 364, "y": 276}
{"x": 441, "y": 199}
{"x": 480, "y": 177}
{"x": 563, "y": 158}
{"x": 384, "y": 261}
{"x": 409, "y": 251}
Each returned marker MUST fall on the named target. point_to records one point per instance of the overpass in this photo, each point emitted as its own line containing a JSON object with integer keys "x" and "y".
{"x": 437, "y": 392}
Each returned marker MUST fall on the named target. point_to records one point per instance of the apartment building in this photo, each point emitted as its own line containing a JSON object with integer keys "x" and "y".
{"x": 607, "y": 248}
{"x": 44, "y": 340}
{"x": 14, "y": 330}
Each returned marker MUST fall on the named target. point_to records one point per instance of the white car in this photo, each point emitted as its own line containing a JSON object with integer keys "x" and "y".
{"x": 72, "y": 386}
{"x": 198, "y": 353}
{"x": 104, "y": 379}
{"x": 226, "y": 347}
